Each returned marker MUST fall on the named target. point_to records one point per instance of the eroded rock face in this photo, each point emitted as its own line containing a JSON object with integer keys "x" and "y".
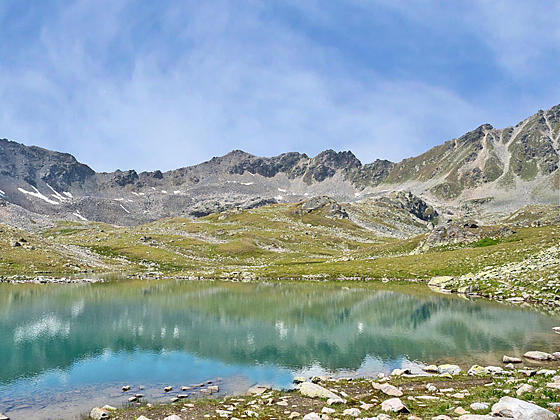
{"x": 330, "y": 207}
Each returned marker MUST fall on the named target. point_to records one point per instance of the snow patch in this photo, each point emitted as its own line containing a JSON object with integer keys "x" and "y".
{"x": 37, "y": 194}
{"x": 163, "y": 192}
{"x": 357, "y": 194}
{"x": 68, "y": 194}
{"x": 119, "y": 199}
{"x": 57, "y": 195}
{"x": 124, "y": 208}
{"x": 247, "y": 183}
{"x": 176, "y": 192}
{"x": 2, "y": 192}
{"x": 79, "y": 216}
{"x": 278, "y": 197}
{"x": 281, "y": 190}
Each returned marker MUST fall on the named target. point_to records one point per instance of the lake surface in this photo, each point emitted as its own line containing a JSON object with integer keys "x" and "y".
{"x": 66, "y": 348}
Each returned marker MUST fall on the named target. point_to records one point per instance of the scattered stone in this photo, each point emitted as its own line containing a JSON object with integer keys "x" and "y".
{"x": 442, "y": 417}
{"x": 391, "y": 390}
{"x": 125, "y": 388}
{"x": 328, "y": 410}
{"x": 97, "y": 413}
{"x": 251, "y": 413}
{"x": 476, "y": 370}
{"x": 528, "y": 372}
{"x": 4, "y": 417}
{"x": 518, "y": 409}
{"x": 173, "y": 417}
{"x": 309, "y": 389}
{"x": 352, "y": 412}
{"x": 430, "y": 369}
{"x": 460, "y": 411}
{"x": 523, "y": 389}
{"x": 478, "y": 406}
{"x": 258, "y": 390}
{"x": 143, "y": 418}
{"x": 106, "y": 407}
{"x": 399, "y": 372}
{"x": 186, "y": 388}
{"x": 556, "y": 330}
{"x": 293, "y": 415}
{"x": 132, "y": 399}
{"x": 394, "y": 405}
{"x": 546, "y": 372}
{"x": 478, "y": 417}
{"x": 338, "y": 400}
{"x": 312, "y": 416}
{"x": 168, "y": 388}
{"x": 451, "y": 369}
{"x": 538, "y": 355}
{"x": 299, "y": 379}
{"x": 509, "y": 359}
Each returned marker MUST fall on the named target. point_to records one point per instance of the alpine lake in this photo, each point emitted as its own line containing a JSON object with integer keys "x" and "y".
{"x": 65, "y": 348}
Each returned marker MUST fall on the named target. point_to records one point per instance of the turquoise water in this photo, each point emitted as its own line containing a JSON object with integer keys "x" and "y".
{"x": 65, "y": 348}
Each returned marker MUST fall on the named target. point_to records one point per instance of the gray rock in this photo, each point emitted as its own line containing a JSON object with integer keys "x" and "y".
{"x": 258, "y": 389}
{"x": 478, "y": 406}
{"x": 394, "y": 405}
{"x": 509, "y": 359}
{"x": 312, "y": 390}
{"x": 351, "y": 412}
{"x": 312, "y": 416}
{"x": 97, "y": 413}
{"x": 524, "y": 389}
{"x": 519, "y": 409}
{"x": 391, "y": 390}
{"x": 451, "y": 369}
{"x": 538, "y": 355}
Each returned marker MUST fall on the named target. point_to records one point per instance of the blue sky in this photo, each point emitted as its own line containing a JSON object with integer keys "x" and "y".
{"x": 160, "y": 85}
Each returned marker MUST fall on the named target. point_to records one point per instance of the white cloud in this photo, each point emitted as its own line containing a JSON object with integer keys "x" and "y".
{"x": 122, "y": 86}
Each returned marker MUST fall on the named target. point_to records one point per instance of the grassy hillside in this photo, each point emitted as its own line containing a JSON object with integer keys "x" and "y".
{"x": 269, "y": 242}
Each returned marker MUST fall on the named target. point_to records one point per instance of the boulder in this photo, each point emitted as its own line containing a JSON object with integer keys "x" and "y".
{"x": 97, "y": 413}
{"x": 538, "y": 355}
{"x": 519, "y": 409}
{"x": 509, "y": 359}
{"x": 309, "y": 389}
{"x": 477, "y": 370}
{"x": 451, "y": 369}
{"x": 391, "y": 390}
{"x": 394, "y": 405}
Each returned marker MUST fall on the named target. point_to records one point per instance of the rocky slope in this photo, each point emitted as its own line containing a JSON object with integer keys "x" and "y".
{"x": 484, "y": 170}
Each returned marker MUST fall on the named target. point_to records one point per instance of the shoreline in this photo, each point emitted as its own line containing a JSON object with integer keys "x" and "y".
{"x": 442, "y": 392}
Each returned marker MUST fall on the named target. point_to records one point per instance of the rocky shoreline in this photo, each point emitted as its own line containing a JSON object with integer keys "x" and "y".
{"x": 521, "y": 388}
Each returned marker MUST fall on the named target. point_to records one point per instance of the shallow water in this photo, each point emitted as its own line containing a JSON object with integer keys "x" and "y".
{"x": 66, "y": 348}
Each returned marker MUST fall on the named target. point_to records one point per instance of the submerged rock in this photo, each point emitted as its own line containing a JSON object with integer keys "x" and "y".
{"x": 538, "y": 355}
{"x": 509, "y": 359}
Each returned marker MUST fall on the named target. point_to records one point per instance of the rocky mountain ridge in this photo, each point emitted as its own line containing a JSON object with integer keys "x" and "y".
{"x": 486, "y": 169}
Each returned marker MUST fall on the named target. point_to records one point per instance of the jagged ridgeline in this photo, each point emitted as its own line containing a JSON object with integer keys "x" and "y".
{"x": 486, "y": 169}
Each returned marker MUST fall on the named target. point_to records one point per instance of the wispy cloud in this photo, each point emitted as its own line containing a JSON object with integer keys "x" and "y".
{"x": 126, "y": 84}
